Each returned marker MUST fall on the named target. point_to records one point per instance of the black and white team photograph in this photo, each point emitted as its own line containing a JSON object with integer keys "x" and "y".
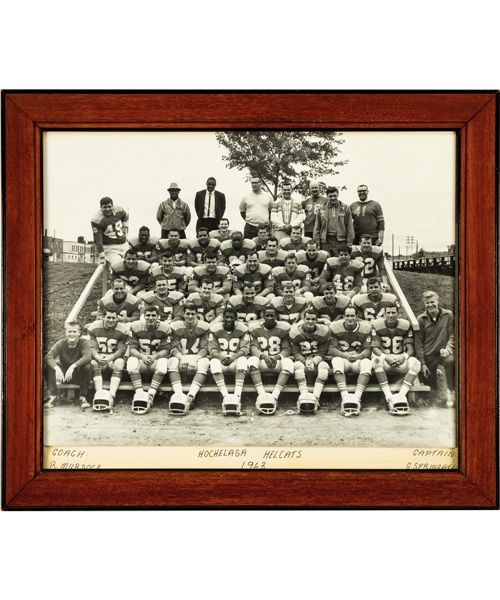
{"x": 234, "y": 289}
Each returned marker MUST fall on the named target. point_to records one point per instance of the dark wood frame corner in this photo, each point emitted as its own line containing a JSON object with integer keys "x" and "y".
{"x": 474, "y": 115}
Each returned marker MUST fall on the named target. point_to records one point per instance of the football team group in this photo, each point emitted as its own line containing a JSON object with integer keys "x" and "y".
{"x": 300, "y": 290}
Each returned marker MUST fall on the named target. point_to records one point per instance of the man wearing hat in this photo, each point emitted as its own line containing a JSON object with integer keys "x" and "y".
{"x": 173, "y": 213}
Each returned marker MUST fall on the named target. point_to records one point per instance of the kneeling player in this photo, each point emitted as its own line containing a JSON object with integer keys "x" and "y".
{"x": 108, "y": 344}
{"x": 228, "y": 346}
{"x": 310, "y": 342}
{"x": 149, "y": 347}
{"x": 393, "y": 350}
{"x": 189, "y": 354}
{"x": 351, "y": 351}
{"x": 270, "y": 352}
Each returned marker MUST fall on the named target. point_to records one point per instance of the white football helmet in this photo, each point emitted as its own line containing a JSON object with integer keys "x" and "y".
{"x": 179, "y": 404}
{"x": 398, "y": 405}
{"x": 141, "y": 402}
{"x": 231, "y": 405}
{"x": 351, "y": 406}
{"x": 307, "y": 404}
{"x": 103, "y": 400}
{"x": 266, "y": 404}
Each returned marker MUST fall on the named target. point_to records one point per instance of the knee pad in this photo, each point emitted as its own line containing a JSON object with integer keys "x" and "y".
{"x": 119, "y": 364}
{"x": 242, "y": 364}
{"x": 203, "y": 365}
{"x": 378, "y": 364}
{"x": 323, "y": 370}
{"x": 173, "y": 364}
{"x": 161, "y": 366}
{"x": 287, "y": 365}
{"x": 299, "y": 369}
{"x": 365, "y": 366}
{"x": 338, "y": 364}
{"x": 253, "y": 362}
{"x": 133, "y": 365}
{"x": 215, "y": 366}
{"x": 414, "y": 365}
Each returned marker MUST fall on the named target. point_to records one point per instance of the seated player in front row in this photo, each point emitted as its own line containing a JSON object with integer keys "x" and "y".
{"x": 310, "y": 342}
{"x": 270, "y": 353}
{"x": 69, "y": 361}
{"x": 149, "y": 346}
{"x": 189, "y": 354}
{"x": 351, "y": 351}
{"x": 394, "y": 352}
{"x": 108, "y": 345}
{"x": 228, "y": 347}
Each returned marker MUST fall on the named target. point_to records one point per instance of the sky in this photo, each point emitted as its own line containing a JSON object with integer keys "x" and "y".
{"x": 411, "y": 174}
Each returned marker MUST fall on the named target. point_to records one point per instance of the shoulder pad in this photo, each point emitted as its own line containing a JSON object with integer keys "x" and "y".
{"x": 118, "y": 264}
{"x": 337, "y": 326}
{"x": 97, "y": 218}
{"x": 342, "y": 301}
{"x": 357, "y": 264}
{"x": 322, "y": 329}
{"x": 283, "y": 325}
{"x": 162, "y": 326}
{"x": 132, "y": 299}
{"x": 142, "y": 264}
{"x": 121, "y": 328}
{"x": 364, "y": 327}
{"x": 95, "y": 325}
{"x": 134, "y": 241}
{"x": 193, "y": 296}
{"x": 403, "y": 324}
{"x": 253, "y": 325}
{"x": 137, "y": 326}
{"x": 176, "y": 296}
{"x": 378, "y": 324}
{"x": 148, "y": 296}
{"x": 248, "y": 244}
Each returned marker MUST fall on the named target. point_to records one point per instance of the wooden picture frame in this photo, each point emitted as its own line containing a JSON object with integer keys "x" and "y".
{"x": 474, "y": 115}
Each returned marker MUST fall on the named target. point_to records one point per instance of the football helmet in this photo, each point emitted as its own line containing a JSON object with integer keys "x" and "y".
{"x": 266, "y": 404}
{"x": 179, "y": 404}
{"x": 103, "y": 400}
{"x": 307, "y": 404}
{"x": 350, "y": 406}
{"x": 141, "y": 402}
{"x": 398, "y": 405}
{"x": 231, "y": 405}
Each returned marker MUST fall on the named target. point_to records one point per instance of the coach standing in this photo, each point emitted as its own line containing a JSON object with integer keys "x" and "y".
{"x": 367, "y": 217}
{"x": 255, "y": 208}
{"x": 210, "y": 206}
{"x": 173, "y": 213}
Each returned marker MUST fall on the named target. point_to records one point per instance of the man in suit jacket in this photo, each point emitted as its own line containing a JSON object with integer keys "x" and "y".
{"x": 209, "y": 206}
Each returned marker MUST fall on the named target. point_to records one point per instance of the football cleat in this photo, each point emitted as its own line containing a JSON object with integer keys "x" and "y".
{"x": 179, "y": 404}
{"x": 141, "y": 402}
{"x": 398, "y": 405}
{"x": 307, "y": 404}
{"x": 266, "y": 404}
{"x": 350, "y": 406}
{"x": 231, "y": 405}
{"x": 103, "y": 400}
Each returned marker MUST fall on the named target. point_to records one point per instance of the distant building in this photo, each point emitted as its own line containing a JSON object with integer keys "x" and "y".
{"x": 58, "y": 250}
{"x": 52, "y": 248}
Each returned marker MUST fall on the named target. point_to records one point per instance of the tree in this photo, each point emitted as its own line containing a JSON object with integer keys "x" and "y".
{"x": 421, "y": 253}
{"x": 275, "y": 156}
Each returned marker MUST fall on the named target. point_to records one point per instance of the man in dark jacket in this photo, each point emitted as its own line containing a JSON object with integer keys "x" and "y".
{"x": 210, "y": 206}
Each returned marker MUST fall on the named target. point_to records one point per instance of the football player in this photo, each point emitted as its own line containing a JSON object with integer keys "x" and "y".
{"x": 296, "y": 242}
{"x": 169, "y": 304}
{"x": 394, "y": 352}
{"x": 176, "y": 276}
{"x": 144, "y": 244}
{"x": 345, "y": 273}
{"x": 223, "y": 233}
{"x": 234, "y": 252}
{"x": 249, "y": 306}
{"x": 272, "y": 256}
{"x": 351, "y": 351}
{"x": 315, "y": 261}
{"x": 329, "y": 306}
{"x": 262, "y": 236}
{"x": 218, "y": 274}
{"x": 108, "y": 344}
{"x": 178, "y": 247}
{"x": 289, "y": 307}
{"x": 69, "y": 360}
{"x": 372, "y": 258}
{"x": 260, "y": 275}
{"x": 372, "y": 305}
{"x": 134, "y": 272}
{"x": 270, "y": 353}
{"x": 149, "y": 347}
{"x": 189, "y": 354}
{"x": 228, "y": 347}
{"x": 299, "y": 275}
{"x": 110, "y": 226}
{"x": 310, "y": 342}
{"x": 199, "y": 247}
{"x": 119, "y": 300}
{"x": 209, "y": 305}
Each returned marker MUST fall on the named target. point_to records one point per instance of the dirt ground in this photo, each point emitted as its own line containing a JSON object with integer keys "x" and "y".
{"x": 428, "y": 425}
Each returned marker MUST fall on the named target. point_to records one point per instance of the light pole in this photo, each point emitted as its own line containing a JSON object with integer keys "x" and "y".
{"x": 410, "y": 242}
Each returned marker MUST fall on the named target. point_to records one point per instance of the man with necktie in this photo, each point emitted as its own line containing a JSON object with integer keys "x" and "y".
{"x": 210, "y": 206}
